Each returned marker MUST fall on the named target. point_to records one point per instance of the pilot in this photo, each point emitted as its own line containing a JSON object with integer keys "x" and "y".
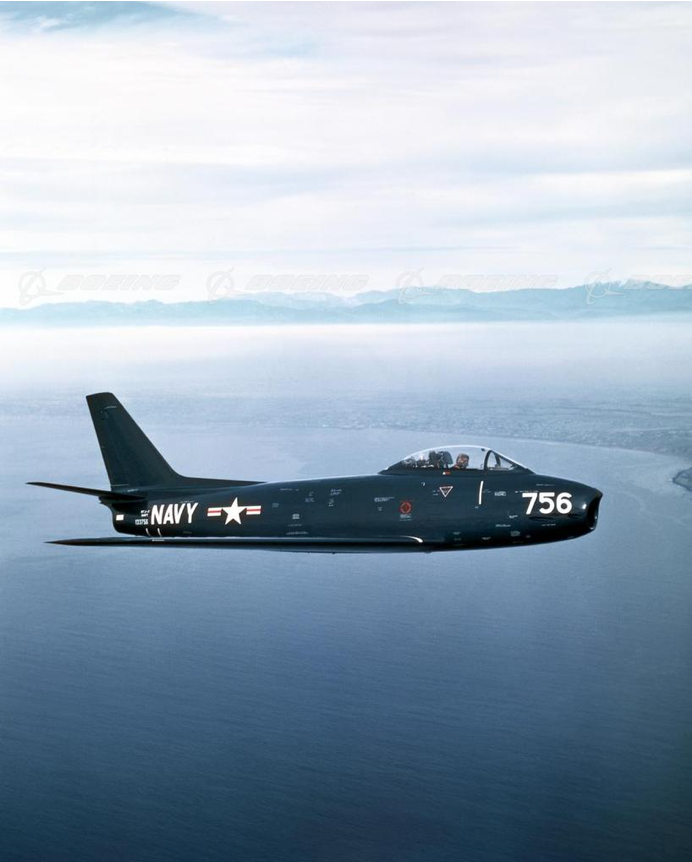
{"x": 462, "y": 461}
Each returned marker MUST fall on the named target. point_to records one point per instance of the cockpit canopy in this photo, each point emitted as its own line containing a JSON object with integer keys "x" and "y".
{"x": 456, "y": 459}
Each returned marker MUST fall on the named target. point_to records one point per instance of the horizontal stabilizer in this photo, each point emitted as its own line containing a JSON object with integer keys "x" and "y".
{"x": 278, "y": 543}
{"x": 111, "y": 496}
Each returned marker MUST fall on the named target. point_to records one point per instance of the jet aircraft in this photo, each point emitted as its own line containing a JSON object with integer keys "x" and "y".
{"x": 445, "y": 498}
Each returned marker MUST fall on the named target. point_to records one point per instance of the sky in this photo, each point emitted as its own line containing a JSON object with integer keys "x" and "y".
{"x": 183, "y": 151}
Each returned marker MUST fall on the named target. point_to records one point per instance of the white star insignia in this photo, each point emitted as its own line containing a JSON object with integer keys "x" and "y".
{"x": 233, "y": 512}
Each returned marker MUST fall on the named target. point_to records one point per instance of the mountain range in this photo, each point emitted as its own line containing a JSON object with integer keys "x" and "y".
{"x": 413, "y": 305}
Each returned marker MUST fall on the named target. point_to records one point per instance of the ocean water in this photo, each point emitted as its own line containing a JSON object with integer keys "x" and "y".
{"x": 516, "y": 704}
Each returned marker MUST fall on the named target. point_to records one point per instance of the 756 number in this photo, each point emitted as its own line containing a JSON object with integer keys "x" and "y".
{"x": 549, "y": 502}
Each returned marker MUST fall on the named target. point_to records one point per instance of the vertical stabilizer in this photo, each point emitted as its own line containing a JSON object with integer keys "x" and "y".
{"x": 131, "y": 459}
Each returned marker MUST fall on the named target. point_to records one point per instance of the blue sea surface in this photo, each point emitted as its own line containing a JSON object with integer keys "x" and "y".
{"x": 516, "y": 704}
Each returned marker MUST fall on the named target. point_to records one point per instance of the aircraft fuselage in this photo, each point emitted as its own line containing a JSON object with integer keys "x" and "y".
{"x": 473, "y": 509}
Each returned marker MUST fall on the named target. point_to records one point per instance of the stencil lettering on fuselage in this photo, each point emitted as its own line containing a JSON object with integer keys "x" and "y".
{"x": 173, "y": 513}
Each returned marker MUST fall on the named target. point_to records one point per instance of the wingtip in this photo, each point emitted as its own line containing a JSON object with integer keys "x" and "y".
{"x": 71, "y": 543}
{"x": 106, "y": 541}
{"x": 63, "y": 542}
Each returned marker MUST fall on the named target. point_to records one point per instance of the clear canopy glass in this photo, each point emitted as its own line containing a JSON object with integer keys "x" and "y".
{"x": 455, "y": 459}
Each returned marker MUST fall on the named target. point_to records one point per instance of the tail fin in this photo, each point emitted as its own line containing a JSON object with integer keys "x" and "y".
{"x": 131, "y": 459}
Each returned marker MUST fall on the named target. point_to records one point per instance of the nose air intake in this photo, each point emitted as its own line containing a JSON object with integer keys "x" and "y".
{"x": 592, "y": 511}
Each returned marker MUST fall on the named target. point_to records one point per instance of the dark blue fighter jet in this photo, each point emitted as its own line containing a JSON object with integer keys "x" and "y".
{"x": 442, "y": 499}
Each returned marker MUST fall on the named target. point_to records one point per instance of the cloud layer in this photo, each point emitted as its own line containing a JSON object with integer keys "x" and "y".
{"x": 346, "y": 138}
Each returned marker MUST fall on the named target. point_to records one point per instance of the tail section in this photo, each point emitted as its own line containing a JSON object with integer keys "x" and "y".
{"x": 131, "y": 459}
{"x": 135, "y": 466}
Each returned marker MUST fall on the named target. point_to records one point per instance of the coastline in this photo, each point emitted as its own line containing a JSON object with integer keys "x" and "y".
{"x": 684, "y": 479}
